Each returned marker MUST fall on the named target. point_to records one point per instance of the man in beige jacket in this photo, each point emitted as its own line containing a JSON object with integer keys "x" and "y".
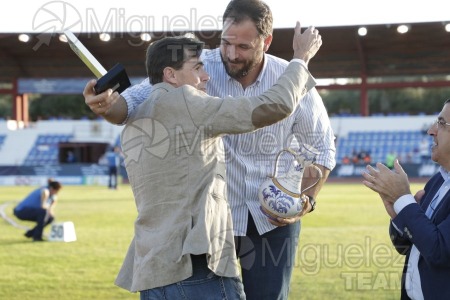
{"x": 183, "y": 244}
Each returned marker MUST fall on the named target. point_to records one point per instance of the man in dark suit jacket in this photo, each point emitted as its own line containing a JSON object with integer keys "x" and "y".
{"x": 420, "y": 225}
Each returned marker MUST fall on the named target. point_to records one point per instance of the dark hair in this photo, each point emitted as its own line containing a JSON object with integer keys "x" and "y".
{"x": 447, "y": 101}
{"x": 256, "y": 10}
{"x": 170, "y": 52}
{"x": 56, "y": 185}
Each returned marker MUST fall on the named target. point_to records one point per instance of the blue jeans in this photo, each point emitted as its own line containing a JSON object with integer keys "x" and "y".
{"x": 202, "y": 285}
{"x": 267, "y": 261}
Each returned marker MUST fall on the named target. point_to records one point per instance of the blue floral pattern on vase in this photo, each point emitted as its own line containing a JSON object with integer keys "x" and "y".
{"x": 279, "y": 201}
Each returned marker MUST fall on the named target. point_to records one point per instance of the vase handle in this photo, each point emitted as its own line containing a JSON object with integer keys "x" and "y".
{"x": 275, "y": 171}
{"x": 318, "y": 179}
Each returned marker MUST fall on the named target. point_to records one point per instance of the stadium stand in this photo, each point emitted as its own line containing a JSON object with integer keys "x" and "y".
{"x": 377, "y": 135}
{"x": 380, "y": 135}
{"x": 405, "y": 144}
{"x": 45, "y": 149}
{"x": 38, "y": 144}
{"x": 29, "y": 155}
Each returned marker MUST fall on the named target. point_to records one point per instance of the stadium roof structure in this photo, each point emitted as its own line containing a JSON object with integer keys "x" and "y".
{"x": 423, "y": 51}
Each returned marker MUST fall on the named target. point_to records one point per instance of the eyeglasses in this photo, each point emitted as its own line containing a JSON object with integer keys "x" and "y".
{"x": 441, "y": 123}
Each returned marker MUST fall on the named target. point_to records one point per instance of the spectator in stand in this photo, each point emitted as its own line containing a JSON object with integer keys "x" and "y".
{"x": 390, "y": 159}
{"x": 71, "y": 158}
{"x": 366, "y": 158}
{"x": 346, "y": 160}
{"x": 355, "y": 157}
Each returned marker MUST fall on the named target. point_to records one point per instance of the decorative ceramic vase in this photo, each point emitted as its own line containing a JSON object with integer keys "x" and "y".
{"x": 280, "y": 195}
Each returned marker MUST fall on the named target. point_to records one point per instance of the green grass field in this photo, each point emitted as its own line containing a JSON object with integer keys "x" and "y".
{"x": 344, "y": 252}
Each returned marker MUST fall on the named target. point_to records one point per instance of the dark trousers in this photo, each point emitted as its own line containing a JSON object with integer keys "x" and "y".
{"x": 267, "y": 261}
{"x": 112, "y": 177}
{"x": 36, "y": 215}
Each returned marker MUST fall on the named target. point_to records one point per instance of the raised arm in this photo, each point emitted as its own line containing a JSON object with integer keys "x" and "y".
{"x": 115, "y": 109}
{"x": 111, "y": 106}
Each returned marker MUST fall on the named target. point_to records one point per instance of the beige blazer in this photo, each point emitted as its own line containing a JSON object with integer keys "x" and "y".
{"x": 174, "y": 158}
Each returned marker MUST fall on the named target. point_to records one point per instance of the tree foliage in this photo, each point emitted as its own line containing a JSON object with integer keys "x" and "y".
{"x": 59, "y": 106}
{"x": 5, "y": 106}
{"x": 388, "y": 101}
{"x": 411, "y": 101}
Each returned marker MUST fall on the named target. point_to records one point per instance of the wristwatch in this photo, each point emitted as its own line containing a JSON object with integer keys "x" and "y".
{"x": 312, "y": 202}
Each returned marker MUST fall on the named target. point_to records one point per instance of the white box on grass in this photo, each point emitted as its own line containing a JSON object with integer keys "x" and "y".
{"x": 62, "y": 232}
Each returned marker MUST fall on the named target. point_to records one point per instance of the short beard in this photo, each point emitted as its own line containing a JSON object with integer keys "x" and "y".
{"x": 238, "y": 73}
